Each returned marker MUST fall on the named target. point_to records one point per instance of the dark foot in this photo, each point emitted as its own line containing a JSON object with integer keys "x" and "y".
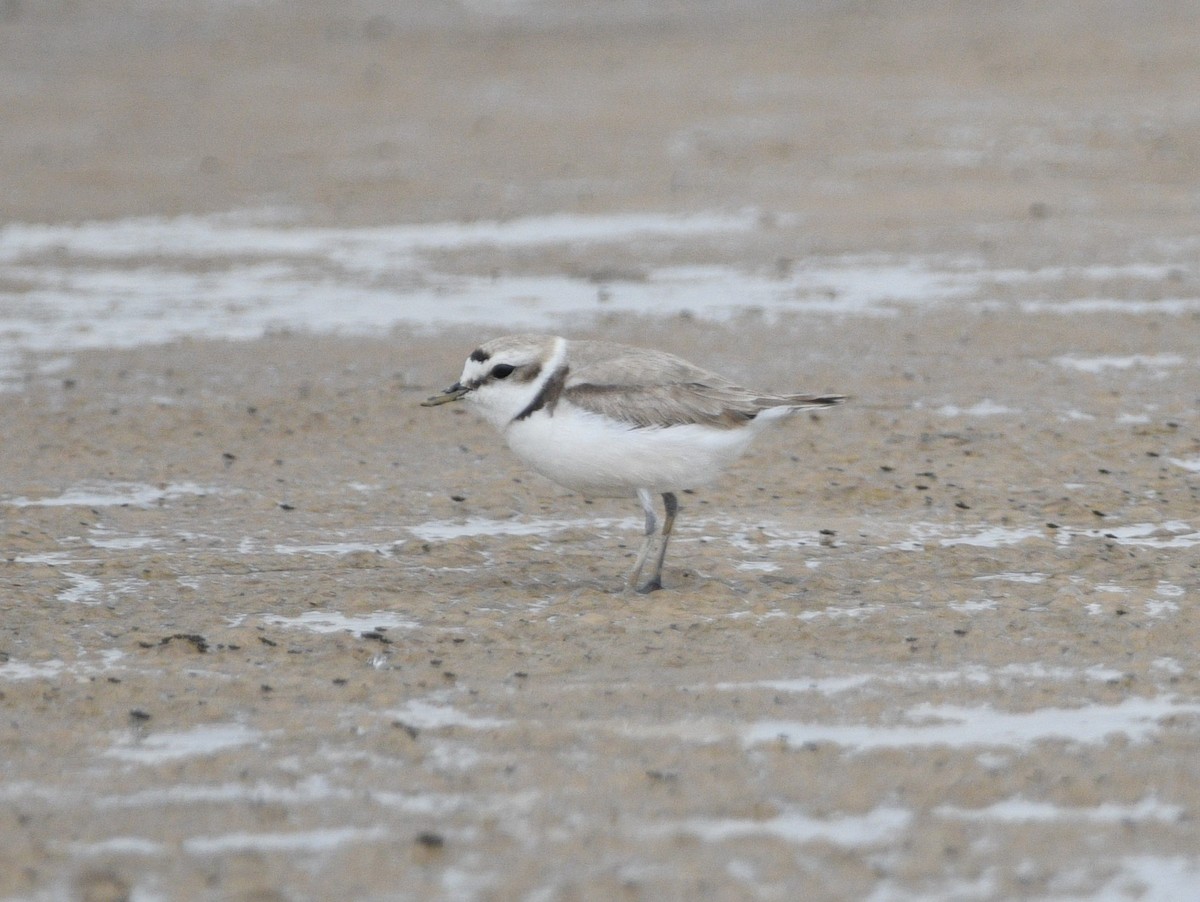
{"x": 652, "y": 586}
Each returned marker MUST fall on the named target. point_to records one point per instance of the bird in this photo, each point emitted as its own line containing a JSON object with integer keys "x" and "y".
{"x": 610, "y": 420}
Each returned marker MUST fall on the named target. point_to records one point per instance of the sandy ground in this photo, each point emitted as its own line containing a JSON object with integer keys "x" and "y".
{"x": 272, "y": 631}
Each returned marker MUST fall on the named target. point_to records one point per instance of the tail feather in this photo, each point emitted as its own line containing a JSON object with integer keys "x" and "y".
{"x": 804, "y": 402}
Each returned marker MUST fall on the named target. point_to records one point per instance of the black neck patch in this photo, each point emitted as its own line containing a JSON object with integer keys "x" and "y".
{"x": 548, "y": 395}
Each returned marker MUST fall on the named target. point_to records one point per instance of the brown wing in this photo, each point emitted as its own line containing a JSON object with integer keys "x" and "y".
{"x": 649, "y": 388}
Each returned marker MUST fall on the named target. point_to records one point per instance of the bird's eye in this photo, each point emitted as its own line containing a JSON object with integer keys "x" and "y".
{"x": 502, "y": 370}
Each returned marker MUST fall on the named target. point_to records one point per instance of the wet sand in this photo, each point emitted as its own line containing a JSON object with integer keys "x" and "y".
{"x": 272, "y": 631}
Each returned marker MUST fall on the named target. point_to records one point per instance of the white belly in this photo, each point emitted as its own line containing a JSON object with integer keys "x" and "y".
{"x": 596, "y": 456}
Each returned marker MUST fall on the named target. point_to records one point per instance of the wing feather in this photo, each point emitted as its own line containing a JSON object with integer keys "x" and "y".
{"x": 649, "y": 389}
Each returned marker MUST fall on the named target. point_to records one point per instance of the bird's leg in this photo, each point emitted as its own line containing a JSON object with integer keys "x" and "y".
{"x": 671, "y": 503}
{"x": 647, "y": 501}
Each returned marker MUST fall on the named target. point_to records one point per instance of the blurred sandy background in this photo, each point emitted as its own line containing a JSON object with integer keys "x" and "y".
{"x": 884, "y": 122}
{"x": 241, "y": 661}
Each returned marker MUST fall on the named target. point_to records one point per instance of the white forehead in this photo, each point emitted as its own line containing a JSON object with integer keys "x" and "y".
{"x": 516, "y": 350}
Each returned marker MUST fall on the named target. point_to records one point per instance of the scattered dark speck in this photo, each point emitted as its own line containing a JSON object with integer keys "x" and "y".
{"x": 1121, "y": 612}
{"x": 265, "y": 641}
{"x": 960, "y": 632}
{"x": 376, "y": 635}
{"x": 961, "y": 505}
{"x": 1052, "y": 526}
{"x": 458, "y": 497}
{"x": 286, "y": 507}
{"x": 139, "y": 715}
{"x": 1099, "y": 513}
{"x": 430, "y": 840}
{"x": 411, "y": 731}
{"x": 521, "y": 675}
{"x": 197, "y": 641}
{"x": 340, "y": 681}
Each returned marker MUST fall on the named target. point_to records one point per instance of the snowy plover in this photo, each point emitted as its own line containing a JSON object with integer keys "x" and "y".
{"x": 609, "y": 420}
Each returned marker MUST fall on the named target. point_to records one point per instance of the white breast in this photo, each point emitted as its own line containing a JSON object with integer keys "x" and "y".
{"x": 598, "y": 456}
